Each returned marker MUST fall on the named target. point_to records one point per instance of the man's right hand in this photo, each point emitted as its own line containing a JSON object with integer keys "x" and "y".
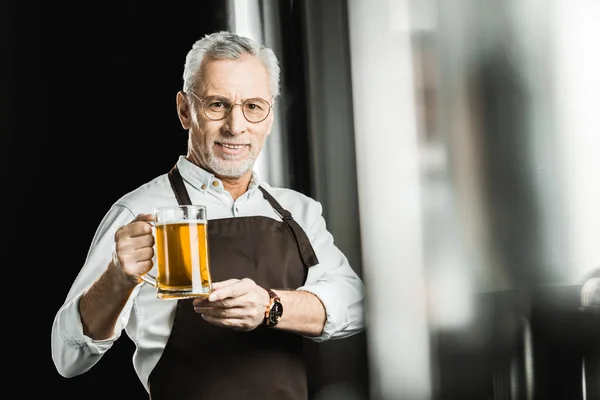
{"x": 134, "y": 247}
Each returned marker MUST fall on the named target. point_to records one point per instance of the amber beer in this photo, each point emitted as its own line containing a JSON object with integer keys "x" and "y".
{"x": 181, "y": 253}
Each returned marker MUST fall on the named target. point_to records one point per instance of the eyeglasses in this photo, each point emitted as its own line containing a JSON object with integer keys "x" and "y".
{"x": 217, "y": 108}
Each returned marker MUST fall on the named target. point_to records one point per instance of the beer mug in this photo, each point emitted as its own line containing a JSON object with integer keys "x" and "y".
{"x": 181, "y": 253}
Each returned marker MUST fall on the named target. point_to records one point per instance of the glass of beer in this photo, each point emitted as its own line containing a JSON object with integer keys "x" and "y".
{"x": 181, "y": 253}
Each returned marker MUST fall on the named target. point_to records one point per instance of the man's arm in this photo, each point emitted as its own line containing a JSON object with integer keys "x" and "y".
{"x": 102, "y": 304}
{"x": 333, "y": 281}
{"x": 73, "y": 344}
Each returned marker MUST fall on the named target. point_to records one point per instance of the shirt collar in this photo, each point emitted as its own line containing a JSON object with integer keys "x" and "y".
{"x": 201, "y": 179}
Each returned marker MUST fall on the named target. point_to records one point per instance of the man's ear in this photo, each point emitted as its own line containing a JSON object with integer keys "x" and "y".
{"x": 183, "y": 110}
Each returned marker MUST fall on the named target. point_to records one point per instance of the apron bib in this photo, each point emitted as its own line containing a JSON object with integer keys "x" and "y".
{"x": 203, "y": 361}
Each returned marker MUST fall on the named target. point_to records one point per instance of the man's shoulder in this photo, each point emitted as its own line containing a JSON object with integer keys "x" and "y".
{"x": 290, "y": 198}
{"x": 147, "y": 196}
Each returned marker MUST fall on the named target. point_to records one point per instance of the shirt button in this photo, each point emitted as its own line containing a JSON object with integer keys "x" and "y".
{"x": 215, "y": 183}
{"x": 203, "y": 187}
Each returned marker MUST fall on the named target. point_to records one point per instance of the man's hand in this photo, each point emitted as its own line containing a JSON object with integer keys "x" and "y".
{"x": 134, "y": 247}
{"x": 235, "y": 303}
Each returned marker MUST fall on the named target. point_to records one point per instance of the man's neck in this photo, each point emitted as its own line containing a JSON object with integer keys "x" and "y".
{"x": 236, "y": 186}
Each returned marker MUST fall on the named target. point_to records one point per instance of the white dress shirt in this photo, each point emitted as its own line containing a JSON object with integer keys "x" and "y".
{"x": 148, "y": 320}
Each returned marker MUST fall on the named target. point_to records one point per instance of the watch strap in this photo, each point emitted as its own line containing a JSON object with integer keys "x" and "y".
{"x": 273, "y": 295}
{"x": 274, "y": 301}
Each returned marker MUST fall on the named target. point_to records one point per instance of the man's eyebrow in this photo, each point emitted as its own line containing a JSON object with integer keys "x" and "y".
{"x": 217, "y": 96}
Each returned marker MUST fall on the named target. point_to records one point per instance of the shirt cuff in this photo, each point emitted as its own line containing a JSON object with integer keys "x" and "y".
{"x": 72, "y": 330}
{"x": 335, "y": 310}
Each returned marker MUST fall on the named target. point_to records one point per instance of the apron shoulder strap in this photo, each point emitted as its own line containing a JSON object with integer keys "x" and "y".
{"x": 306, "y": 250}
{"x": 183, "y": 198}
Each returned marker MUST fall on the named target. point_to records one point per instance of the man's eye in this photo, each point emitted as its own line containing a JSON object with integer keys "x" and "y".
{"x": 253, "y": 106}
{"x": 217, "y": 104}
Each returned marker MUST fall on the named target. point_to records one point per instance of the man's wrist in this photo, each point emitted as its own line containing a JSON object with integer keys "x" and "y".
{"x": 274, "y": 309}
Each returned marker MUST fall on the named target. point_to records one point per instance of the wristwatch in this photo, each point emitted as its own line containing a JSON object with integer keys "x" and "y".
{"x": 274, "y": 310}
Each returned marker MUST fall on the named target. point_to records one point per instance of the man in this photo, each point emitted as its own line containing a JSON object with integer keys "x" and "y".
{"x": 234, "y": 344}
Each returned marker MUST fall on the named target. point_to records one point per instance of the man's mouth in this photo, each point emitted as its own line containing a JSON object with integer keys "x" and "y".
{"x": 232, "y": 149}
{"x": 231, "y": 145}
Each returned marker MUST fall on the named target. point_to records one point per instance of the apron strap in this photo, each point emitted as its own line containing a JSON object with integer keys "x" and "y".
{"x": 183, "y": 198}
{"x": 306, "y": 250}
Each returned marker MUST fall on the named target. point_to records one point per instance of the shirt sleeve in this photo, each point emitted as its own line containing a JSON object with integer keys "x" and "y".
{"x": 73, "y": 352}
{"x": 333, "y": 281}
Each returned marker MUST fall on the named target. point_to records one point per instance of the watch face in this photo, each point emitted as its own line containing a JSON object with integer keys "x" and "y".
{"x": 276, "y": 312}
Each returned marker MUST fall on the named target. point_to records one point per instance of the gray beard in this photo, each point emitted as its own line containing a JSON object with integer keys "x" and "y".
{"x": 228, "y": 167}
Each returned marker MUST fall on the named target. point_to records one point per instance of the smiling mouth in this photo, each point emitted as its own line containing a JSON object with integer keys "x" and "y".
{"x": 232, "y": 150}
{"x": 231, "y": 145}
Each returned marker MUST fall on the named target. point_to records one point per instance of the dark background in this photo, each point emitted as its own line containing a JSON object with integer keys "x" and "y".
{"x": 88, "y": 114}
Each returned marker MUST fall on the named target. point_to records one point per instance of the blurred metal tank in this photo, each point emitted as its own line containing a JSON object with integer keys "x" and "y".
{"x": 477, "y": 138}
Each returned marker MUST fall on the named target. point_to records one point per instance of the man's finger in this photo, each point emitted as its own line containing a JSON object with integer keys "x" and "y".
{"x": 144, "y": 217}
{"x": 141, "y": 225}
{"x": 224, "y": 289}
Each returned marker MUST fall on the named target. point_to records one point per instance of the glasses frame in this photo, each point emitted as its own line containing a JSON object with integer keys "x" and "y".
{"x": 203, "y": 102}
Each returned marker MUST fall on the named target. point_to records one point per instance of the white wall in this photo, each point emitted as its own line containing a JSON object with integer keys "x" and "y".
{"x": 389, "y": 198}
{"x": 577, "y": 101}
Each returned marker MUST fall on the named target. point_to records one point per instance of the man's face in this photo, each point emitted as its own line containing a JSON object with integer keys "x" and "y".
{"x": 229, "y": 147}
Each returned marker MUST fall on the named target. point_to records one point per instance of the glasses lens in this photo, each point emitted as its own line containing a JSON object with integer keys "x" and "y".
{"x": 216, "y": 108}
{"x": 256, "y": 110}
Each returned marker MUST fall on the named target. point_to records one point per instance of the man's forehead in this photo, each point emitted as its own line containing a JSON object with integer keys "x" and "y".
{"x": 244, "y": 66}
{"x": 244, "y": 76}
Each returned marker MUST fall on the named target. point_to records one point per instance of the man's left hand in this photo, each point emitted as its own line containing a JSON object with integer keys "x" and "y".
{"x": 235, "y": 303}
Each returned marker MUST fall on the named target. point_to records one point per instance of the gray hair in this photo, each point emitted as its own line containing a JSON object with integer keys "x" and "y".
{"x": 227, "y": 46}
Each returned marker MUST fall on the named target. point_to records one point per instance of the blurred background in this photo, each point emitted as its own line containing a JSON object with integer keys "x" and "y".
{"x": 454, "y": 145}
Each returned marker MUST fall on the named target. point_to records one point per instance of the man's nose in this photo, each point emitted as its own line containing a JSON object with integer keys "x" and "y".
{"x": 236, "y": 122}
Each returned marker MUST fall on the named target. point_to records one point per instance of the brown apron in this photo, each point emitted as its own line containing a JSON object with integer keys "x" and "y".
{"x": 203, "y": 361}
